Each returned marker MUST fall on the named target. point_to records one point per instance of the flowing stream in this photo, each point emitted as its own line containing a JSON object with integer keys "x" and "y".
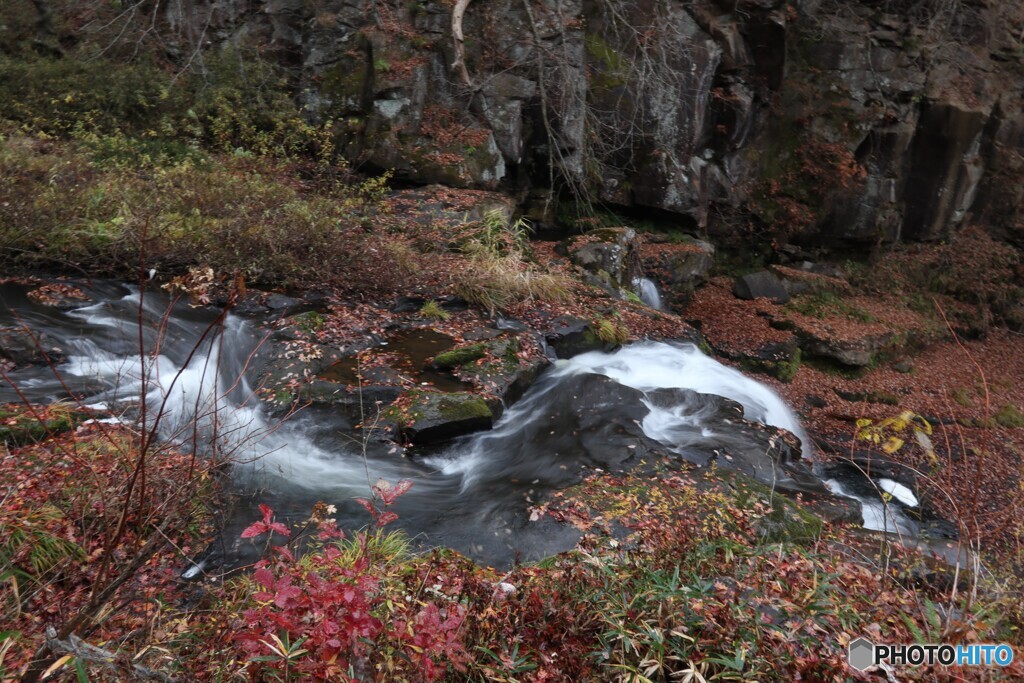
{"x": 595, "y": 411}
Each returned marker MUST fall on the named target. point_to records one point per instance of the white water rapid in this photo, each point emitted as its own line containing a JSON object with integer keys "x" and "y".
{"x": 592, "y": 411}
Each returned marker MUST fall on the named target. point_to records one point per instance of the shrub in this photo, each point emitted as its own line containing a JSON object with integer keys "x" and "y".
{"x": 240, "y": 103}
{"x": 227, "y": 213}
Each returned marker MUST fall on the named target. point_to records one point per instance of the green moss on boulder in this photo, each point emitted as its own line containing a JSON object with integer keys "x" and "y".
{"x": 459, "y": 356}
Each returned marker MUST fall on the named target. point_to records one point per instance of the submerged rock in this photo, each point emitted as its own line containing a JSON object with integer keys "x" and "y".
{"x": 23, "y": 347}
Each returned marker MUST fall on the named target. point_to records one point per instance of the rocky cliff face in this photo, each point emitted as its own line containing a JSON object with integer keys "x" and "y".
{"x": 843, "y": 122}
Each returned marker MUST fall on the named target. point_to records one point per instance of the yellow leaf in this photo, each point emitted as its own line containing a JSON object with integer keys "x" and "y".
{"x": 56, "y": 665}
{"x": 863, "y": 422}
{"x": 892, "y": 445}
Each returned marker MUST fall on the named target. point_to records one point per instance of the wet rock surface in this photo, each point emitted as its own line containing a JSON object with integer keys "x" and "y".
{"x": 22, "y": 346}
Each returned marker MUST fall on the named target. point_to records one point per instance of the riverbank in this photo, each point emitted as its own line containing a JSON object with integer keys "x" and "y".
{"x": 456, "y": 265}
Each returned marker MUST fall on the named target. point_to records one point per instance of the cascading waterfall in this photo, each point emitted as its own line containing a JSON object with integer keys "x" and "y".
{"x": 196, "y": 385}
{"x": 649, "y": 294}
{"x": 588, "y": 411}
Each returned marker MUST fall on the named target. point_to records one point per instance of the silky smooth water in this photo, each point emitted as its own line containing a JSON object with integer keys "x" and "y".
{"x": 194, "y": 370}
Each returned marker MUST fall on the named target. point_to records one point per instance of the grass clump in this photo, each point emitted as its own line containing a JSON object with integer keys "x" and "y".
{"x": 611, "y": 331}
{"x": 498, "y": 272}
{"x": 433, "y": 310}
{"x": 1009, "y": 416}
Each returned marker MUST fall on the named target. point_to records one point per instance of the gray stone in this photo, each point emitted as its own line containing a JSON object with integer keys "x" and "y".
{"x": 763, "y": 284}
{"x": 681, "y": 271}
{"x": 939, "y": 180}
{"x": 23, "y": 347}
{"x": 610, "y": 258}
{"x": 858, "y": 352}
{"x": 569, "y": 336}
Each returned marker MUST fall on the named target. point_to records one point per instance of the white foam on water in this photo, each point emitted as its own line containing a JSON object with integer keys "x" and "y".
{"x": 645, "y": 366}
{"x": 899, "y": 492}
{"x": 192, "y": 400}
{"x": 648, "y": 366}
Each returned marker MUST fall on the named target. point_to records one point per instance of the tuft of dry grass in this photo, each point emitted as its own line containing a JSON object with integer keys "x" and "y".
{"x": 495, "y": 281}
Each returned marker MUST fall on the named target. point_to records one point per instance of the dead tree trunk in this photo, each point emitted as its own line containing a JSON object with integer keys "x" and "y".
{"x": 459, "y": 65}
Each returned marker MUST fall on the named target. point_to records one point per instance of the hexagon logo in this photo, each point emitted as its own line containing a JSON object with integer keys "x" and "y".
{"x": 861, "y": 654}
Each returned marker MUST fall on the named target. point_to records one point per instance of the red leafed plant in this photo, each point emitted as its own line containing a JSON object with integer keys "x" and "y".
{"x": 322, "y": 617}
{"x": 386, "y": 494}
{"x": 264, "y": 525}
{"x": 319, "y": 601}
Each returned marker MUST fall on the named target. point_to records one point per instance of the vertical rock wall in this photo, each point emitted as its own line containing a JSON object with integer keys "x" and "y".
{"x": 840, "y": 122}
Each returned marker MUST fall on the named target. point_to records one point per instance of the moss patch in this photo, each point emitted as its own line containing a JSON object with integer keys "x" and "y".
{"x": 21, "y": 427}
{"x": 459, "y": 356}
{"x": 784, "y": 369}
{"x": 824, "y": 304}
{"x": 464, "y": 407}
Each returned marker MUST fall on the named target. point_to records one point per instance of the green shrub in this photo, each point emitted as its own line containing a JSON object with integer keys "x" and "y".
{"x": 240, "y": 103}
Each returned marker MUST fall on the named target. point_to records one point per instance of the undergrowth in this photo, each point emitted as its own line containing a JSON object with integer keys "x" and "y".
{"x": 499, "y": 271}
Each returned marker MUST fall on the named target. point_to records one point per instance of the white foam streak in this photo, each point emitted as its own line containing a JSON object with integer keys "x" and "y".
{"x": 648, "y": 366}
{"x": 899, "y": 492}
{"x": 649, "y": 293}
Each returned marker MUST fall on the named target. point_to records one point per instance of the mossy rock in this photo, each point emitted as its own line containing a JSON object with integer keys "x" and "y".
{"x": 20, "y": 427}
{"x": 460, "y": 356}
{"x": 881, "y": 397}
{"x": 781, "y": 361}
{"x": 430, "y": 417}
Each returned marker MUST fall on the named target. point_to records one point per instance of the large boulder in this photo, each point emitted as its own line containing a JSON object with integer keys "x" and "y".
{"x": 609, "y": 257}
